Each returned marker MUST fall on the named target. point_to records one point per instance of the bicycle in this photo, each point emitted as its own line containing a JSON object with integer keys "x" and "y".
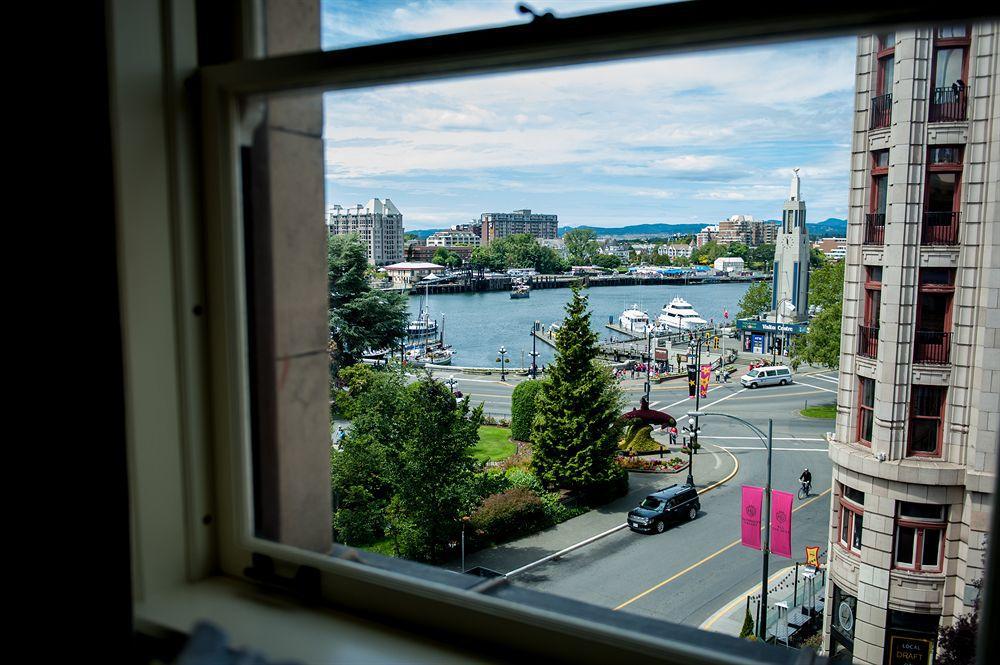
{"x": 804, "y": 489}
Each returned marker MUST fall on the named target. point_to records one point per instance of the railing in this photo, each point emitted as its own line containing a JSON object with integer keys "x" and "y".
{"x": 874, "y": 228}
{"x": 940, "y": 228}
{"x": 868, "y": 341}
{"x": 932, "y": 347}
{"x": 881, "y": 111}
{"x": 948, "y": 104}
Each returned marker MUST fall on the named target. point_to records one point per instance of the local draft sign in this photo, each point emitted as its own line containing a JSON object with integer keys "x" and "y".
{"x": 909, "y": 650}
{"x": 780, "y": 541}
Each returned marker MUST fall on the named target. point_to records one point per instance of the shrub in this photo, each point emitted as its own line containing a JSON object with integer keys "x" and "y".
{"x": 640, "y": 440}
{"x": 509, "y": 514}
{"x": 522, "y": 409}
{"x": 616, "y": 486}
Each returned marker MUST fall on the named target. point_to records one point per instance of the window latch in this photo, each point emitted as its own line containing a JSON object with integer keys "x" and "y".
{"x": 305, "y": 584}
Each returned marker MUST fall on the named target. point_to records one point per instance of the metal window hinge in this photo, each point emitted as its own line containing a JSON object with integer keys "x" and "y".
{"x": 304, "y": 585}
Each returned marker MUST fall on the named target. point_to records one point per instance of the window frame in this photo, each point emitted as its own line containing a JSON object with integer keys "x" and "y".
{"x": 599, "y": 37}
{"x": 856, "y": 512}
{"x": 920, "y": 527}
{"x": 862, "y": 408}
{"x": 940, "y": 418}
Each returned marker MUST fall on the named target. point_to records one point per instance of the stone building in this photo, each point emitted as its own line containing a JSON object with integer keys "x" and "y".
{"x": 378, "y": 223}
{"x": 918, "y": 412}
{"x": 790, "y": 284}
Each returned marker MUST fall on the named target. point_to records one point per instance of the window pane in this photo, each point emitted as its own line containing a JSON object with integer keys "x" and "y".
{"x": 845, "y": 524}
{"x": 882, "y": 158}
{"x": 881, "y": 190}
{"x": 932, "y": 545}
{"x": 951, "y": 31}
{"x": 941, "y": 192}
{"x": 936, "y": 276}
{"x": 945, "y": 155}
{"x": 924, "y": 435}
{"x": 856, "y": 535}
{"x": 927, "y": 511}
{"x": 948, "y": 67}
{"x": 886, "y": 40}
{"x": 905, "y": 536}
{"x": 854, "y": 495}
{"x": 927, "y": 400}
{"x": 886, "y": 66}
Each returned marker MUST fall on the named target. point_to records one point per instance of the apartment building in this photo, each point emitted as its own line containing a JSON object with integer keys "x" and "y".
{"x": 918, "y": 418}
{"x": 378, "y": 223}
{"x": 453, "y": 238}
{"x": 502, "y": 224}
{"x": 747, "y": 230}
{"x": 675, "y": 250}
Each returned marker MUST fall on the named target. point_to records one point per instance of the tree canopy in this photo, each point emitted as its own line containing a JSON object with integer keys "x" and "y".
{"x": 577, "y": 422}
{"x": 521, "y": 250}
{"x": 446, "y": 257}
{"x": 757, "y": 299}
{"x": 361, "y": 317}
{"x": 581, "y": 245}
{"x": 821, "y": 345}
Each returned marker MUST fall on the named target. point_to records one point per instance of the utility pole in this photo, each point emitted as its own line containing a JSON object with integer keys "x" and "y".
{"x": 534, "y": 353}
{"x": 648, "y": 364}
{"x": 766, "y": 542}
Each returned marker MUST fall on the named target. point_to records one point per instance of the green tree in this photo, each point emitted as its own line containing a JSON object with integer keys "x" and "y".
{"x": 747, "y": 629}
{"x": 821, "y": 345}
{"x": 520, "y": 250}
{"x": 577, "y": 426}
{"x": 581, "y": 245}
{"x": 446, "y": 257}
{"x": 957, "y": 643}
{"x": 607, "y": 261}
{"x": 756, "y": 300}
{"x": 361, "y": 317}
{"x": 434, "y": 475}
{"x": 760, "y": 256}
{"x": 523, "y": 405}
{"x": 816, "y": 258}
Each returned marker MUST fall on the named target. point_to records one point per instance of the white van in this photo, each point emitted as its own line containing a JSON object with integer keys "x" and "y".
{"x": 767, "y": 376}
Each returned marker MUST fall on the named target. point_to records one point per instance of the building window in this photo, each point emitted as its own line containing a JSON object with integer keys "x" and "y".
{"x": 868, "y": 333}
{"x": 875, "y": 218}
{"x": 852, "y": 512}
{"x": 926, "y": 417}
{"x": 884, "y": 74}
{"x": 949, "y": 74}
{"x": 942, "y": 198}
{"x": 919, "y": 537}
{"x": 932, "y": 339}
{"x": 866, "y": 409}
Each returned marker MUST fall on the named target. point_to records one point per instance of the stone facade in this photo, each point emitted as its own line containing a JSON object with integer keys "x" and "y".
{"x": 898, "y": 273}
{"x": 790, "y": 285}
{"x": 378, "y": 223}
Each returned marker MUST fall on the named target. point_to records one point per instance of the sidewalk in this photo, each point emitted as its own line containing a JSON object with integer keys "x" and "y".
{"x": 507, "y": 557}
{"x": 729, "y": 618}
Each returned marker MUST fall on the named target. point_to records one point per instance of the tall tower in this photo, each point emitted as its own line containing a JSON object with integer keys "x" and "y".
{"x": 790, "y": 286}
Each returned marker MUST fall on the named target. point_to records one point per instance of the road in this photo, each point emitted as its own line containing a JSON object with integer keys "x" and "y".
{"x": 693, "y": 569}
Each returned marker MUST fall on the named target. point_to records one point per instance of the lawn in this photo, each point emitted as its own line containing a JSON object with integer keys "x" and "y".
{"x": 825, "y": 411}
{"x": 494, "y": 444}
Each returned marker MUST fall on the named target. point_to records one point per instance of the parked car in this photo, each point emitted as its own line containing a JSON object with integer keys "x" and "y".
{"x": 671, "y": 504}
{"x": 767, "y": 376}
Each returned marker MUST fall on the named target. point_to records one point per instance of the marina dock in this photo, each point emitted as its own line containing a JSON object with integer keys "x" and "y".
{"x": 469, "y": 282}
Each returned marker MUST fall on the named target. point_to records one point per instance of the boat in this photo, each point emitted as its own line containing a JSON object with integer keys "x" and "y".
{"x": 679, "y": 315}
{"x": 634, "y": 320}
{"x": 520, "y": 288}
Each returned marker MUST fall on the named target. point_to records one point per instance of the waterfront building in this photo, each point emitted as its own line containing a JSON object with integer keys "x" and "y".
{"x": 729, "y": 264}
{"x": 832, "y": 248}
{"x": 408, "y": 273}
{"x": 425, "y": 253}
{"x": 675, "y": 250}
{"x": 706, "y": 235}
{"x": 914, "y": 449}
{"x": 378, "y": 223}
{"x": 453, "y": 238}
{"x": 502, "y": 224}
{"x": 790, "y": 279}
{"x": 747, "y": 230}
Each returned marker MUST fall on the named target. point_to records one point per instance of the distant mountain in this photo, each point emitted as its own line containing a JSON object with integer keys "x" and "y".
{"x": 827, "y": 228}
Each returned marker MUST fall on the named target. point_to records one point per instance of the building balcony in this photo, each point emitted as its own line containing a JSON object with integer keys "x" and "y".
{"x": 948, "y": 104}
{"x": 932, "y": 347}
{"x": 940, "y": 228}
{"x": 874, "y": 228}
{"x": 881, "y": 111}
{"x": 868, "y": 341}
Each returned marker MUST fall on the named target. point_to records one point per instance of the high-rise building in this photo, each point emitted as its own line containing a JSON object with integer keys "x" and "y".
{"x": 502, "y": 224}
{"x": 790, "y": 285}
{"x": 378, "y": 223}
{"x": 914, "y": 451}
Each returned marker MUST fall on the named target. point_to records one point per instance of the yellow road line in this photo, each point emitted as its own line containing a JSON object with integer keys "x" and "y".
{"x": 708, "y": 558}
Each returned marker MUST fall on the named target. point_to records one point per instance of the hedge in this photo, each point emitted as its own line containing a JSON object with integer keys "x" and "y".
{"x": 522, "y": 409}
{"x": 509, "y": 514}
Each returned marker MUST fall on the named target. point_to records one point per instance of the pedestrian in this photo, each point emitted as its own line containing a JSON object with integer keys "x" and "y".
{"x": 673, "y": 436}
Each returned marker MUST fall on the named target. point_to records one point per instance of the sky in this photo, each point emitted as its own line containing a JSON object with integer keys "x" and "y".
{"x": 681, "y": 139}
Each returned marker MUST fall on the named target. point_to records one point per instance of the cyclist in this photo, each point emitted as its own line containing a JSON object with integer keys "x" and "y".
{"x": 806, "y": 480}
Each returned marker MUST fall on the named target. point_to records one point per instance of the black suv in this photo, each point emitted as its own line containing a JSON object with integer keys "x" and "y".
{"x": 671, "y": 504}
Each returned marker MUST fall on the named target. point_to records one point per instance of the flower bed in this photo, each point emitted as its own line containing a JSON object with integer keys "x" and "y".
{"x": 655, "y": 465}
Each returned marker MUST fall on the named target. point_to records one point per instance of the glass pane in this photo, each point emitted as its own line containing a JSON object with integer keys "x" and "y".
{"x": 948, "y": 67}
{"x": 886, "y": 65}
{"x": 356, "y": 22}
{"x": 857, "y": 496}
{"x": 845, "y": 524}
{"x": 945, "y": 155}
{"x": 951, "y": 31}
{"x": 933, "y": 311}
{"x": 941, "y": 192}
{"x": 932, "y": 546}
{"x": 881, "y": 190}
{"x": 936, "y": 275}
{"x": 905, "y": 537}
{"x": 921, "y": 510}
{"x": 856, "y": 534}
{"x": 923, "y": 435}
{"x": 882, "y": 158}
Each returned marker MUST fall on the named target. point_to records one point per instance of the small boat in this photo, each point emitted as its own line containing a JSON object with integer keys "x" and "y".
{"x": 520, "y": 289}
{"x": 679, "y": 315}
{"x": 634, "y": 320}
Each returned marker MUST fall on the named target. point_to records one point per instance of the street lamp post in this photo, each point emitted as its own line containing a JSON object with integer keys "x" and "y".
{"x": 503, "y": 359}
{"x": 451, "y": 382}
{"x": 766, "y": 541}
{"x": 648, "y": 364}
{"x": 534, "y": 355}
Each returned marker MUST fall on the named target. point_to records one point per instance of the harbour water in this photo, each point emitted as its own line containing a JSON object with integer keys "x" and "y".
{"x": 477, "y": 324}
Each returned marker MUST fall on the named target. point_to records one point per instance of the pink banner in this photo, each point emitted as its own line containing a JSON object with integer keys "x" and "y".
{"x": 781, "y": 523}
{"x": 750, "y": 511}
{"x": 705, "y": 377}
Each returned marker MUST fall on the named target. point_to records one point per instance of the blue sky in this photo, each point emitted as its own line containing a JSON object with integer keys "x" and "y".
{"x": 694, "y": 138}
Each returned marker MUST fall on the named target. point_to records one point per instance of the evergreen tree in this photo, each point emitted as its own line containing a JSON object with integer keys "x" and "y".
{"x": 577, "y": 426}
{"x": 747, "y": 629}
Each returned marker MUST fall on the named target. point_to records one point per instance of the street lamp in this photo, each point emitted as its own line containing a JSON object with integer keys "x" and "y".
{"x": 765, "y": 543}
{"x": 534, "y": 353}
{"x": 502, "y": 360}
{"x": 649, "y": 360}
{"x": 451, "y": 382}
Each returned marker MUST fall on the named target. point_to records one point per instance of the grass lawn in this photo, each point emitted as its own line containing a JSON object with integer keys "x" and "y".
{"x": 383, "y": 546}
{"x": 494, "y": 444}
{"x": 825, "y": 411}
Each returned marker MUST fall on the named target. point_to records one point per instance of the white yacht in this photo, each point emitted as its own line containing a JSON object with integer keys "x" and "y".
{"x": 634, "y": 320}
{"x": 680, "y": 315}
